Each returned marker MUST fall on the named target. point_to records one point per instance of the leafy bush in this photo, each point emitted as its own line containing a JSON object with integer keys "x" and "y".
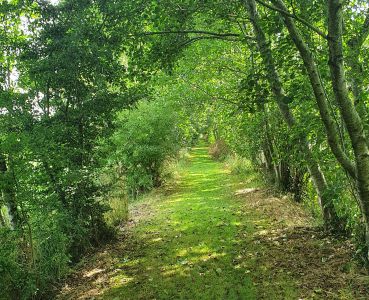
{"x": 145, "y": 138}
{"x": 29, "y": 265}
{"x": 239, "y": 165}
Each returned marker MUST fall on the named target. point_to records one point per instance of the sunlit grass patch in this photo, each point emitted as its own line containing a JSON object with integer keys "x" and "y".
{"x": 121, "y": 279}
{"x": 118, "y": 212}
{"x": 187, "y": 246}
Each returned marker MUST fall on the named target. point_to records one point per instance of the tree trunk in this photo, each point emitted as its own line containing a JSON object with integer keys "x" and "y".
{"x": 319, "y": 92}
{"x": 268, "y": 149}
{"x": 350, "y": 116}
{"x": 284, "y": 183}
{"x": 2, "y": 218}
{"x": 357, "y": 72}
{"x": 329, "y": 215}
{"x": 9, "y": 195}
{"x": 298, "y": 184}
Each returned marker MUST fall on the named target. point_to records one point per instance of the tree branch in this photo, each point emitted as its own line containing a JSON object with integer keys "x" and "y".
{"x": 288, "y": 14}
{"x": 198, "y": 38}
{"x": 213, "y": 97}
{"x": 215, "y": 34}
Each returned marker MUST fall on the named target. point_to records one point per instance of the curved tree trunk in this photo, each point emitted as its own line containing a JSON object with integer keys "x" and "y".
{"x": 320, "y": 95}
{"x": 350, "y": 115}
{"x": 329, "y": 214}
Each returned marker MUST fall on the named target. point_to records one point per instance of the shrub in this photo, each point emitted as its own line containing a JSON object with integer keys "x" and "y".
{"x": 146, "y": 136}
{"x": 239, "y": 165}
{"x": 219, "y": 150}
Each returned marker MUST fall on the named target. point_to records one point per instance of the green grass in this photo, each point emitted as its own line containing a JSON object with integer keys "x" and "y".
{"x": 188, "y": 249}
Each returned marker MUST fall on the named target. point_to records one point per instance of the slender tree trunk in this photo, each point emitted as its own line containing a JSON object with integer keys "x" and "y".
{"x": 2, "y": 218}
{"x": 268, "y": 148}
{"x": 298, "y": 184}
{"x": 329, "y": 215}
{"x": 9, "y": 195}
{"x": 357, "y": 72}
{"x": 284, "y": 183}
{"x": 319, "y": 92}
{"x": 267, "y": 162}
{"x": 350, "y": 115}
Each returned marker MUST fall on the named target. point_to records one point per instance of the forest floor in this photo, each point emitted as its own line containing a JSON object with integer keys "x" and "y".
{"x": 215, "y": 235}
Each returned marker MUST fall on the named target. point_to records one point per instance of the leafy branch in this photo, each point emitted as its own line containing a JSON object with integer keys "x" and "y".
{"x": 288, "y": 14}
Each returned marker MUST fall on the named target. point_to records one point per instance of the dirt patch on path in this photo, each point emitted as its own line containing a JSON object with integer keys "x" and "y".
{"x": 319, "y": 265}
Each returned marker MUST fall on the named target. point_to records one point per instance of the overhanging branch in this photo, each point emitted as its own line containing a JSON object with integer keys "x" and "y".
{"x": 215, "y": 34}
{"x": 288, "y": 14}
{"x": 198, "y": 38}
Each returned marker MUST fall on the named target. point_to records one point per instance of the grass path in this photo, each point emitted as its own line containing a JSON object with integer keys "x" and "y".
{"x": 188, "y": 248}
{"x": 200, "y": 241}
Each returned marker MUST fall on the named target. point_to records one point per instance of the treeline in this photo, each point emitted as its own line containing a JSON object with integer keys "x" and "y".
{"x": 96, "y": 96}
{"x": 63, "y": 79}
{"x": 60, "y": 88}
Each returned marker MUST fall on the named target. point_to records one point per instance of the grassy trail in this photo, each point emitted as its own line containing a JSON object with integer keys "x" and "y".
{"x": 188, "y": 248}
{"x": 200, "y": 241}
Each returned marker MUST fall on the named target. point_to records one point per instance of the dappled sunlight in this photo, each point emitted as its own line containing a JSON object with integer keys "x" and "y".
{"x": 182, "y": 252}
{"x": 237, "y": 224}
{"x": 121, "y": 279}
{"x": 128, "y": 263}
{"x": 159, "y": 239}
{"x": 186, "y": 248}
{"x": 186, "y": 244}
{"x": 93, "y": 272}
{"x": 171, "y": 270}
{"x": 209, "y": 256}
{"x": 211, "y": 190}
{"x": 201, "y": 242}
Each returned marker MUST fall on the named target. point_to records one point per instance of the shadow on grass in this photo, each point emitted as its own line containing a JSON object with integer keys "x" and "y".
{"x": 190, "y": 249}
{"x": 203, "y": 242}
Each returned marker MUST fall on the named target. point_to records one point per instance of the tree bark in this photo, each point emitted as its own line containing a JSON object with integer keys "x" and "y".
{"x": 357, "y": 73}
{"x": 268, "y": 148}
{"x": 319, "y": 92}
{"x": 9, "y": 195}
{"x": 329, "y": 214}
{"x": 298, "y": 184}
{"x": 2, "y": 218}
{"x": 350, "y": 115}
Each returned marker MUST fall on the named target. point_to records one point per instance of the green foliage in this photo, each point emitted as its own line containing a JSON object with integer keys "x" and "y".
{"x": 87, "y": 116}
{"x": 60, "y": 88}
{"x": 146, "y": 136}
{"x": 239, "y": 165}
